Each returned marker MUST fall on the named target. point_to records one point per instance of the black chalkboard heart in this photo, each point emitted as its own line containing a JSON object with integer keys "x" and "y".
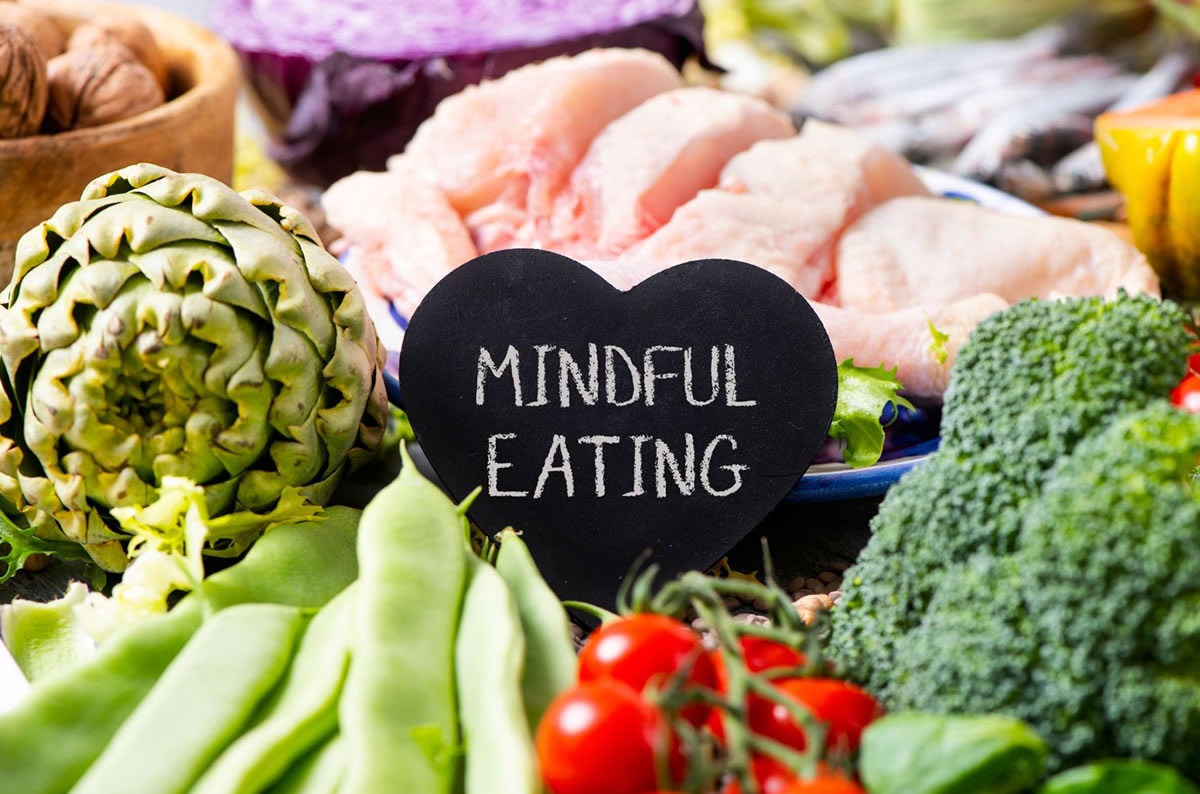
{"x": 673, "y": 416}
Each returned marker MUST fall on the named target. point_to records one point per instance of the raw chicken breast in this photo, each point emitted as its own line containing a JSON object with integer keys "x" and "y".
{"x": 515, "y": 140}
{"x": 917, "y": 250}
{"x": 825, "y": 163}
{"x": 902, "y": 339}
{"x": 652, "y": 160}
{"x": 828, "y": 176}
{"x": 899, "y": 339}
{"x": 404, "y": 233}
{"x": 783, "y": 238}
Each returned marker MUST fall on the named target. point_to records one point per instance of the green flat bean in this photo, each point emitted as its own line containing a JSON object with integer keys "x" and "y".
{"x": 203, "y": 700}
{"x": 398, "y": 711}
{"x": 301, "y": 713}
{"x": 489, "y": 657}
{"x": 46, "y": 638}
{"x": 62, "y": 726}
{"x": 550, "y": 661}
{"x": 319, "y": 772}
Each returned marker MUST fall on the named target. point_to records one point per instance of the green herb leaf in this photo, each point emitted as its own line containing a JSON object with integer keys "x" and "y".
{"x": 911, "y": 753}
{"x": 938, "y": 346}
{"x": 863, "y": 393}
{"x": 1119, "y": 777}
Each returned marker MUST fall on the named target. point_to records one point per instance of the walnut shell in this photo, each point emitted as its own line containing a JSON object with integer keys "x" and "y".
{"x": 99, "y": 86}
{"x": 130, "y": 32}
{"x": 23, "y": 84}
{"x": 38, "y": 24}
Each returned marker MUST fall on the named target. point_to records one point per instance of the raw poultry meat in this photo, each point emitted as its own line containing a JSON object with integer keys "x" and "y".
{"x": 825, "y": 163}
{"x": 603, "y": 157}
{"x": 648, "y": 162}
{"x": 405, "y": 233}
{"x": 914, "y": 250}
{"x": 902, "y": 338}
{"x": 782, "y": 204}
{"x": 504, "y": 148}
{"x": 750, "y": 228}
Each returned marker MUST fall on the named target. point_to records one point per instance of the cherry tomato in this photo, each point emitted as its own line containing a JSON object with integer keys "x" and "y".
{"x": 844, "y": 708}
{"x": 640, "y": 648}
{"x": 1187, "y": 394}
{"x": 600, "y": 737}
{"x": 759, "y": 654}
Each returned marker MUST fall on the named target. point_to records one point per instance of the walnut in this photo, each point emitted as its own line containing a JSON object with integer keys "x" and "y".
{"x": 133, "y": 34}
{"x": 38, "y": 24}
{"x": 23, "y": 89}
{"x": 99, "y": 86}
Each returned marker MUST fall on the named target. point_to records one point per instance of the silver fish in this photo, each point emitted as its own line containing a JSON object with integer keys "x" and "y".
{"x": 1082, "y": 170}
{"x": 1009, "y": 135}
{"x": 977, "y": 84}
{"x": 886, "y": 71}
{"x": 1026, "y": 180}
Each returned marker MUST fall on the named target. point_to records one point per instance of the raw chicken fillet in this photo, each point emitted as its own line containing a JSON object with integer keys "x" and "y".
{"x": 912, "y": 250}
{"x": 656, "y": 157}
{"x": 607, "y": 158}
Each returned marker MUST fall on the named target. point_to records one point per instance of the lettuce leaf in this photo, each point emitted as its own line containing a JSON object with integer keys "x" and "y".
{"x": 863, "y": 395}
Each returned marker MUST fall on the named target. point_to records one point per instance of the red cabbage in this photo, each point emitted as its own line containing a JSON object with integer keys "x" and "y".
{"x": 343, "y": 84}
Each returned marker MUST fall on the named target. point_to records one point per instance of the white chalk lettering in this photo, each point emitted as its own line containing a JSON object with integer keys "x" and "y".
{"x": 713, "y": 374}
{"x": 731, "y": 381}
{"x": 638, "y": 488}
{"x": 734, "y": 469}
{"x": 664, "y": 458}
{"x": 541, "y": 351}
{"x": 568, "y": 370}
{"x": 494, "y": 467}
{"x": 599, "y": 442}
{"x": 610, "y": 377}
{"x": 487, "y": 364}
{"x": 650, "y": 372}
{"x": 558, "y": 448}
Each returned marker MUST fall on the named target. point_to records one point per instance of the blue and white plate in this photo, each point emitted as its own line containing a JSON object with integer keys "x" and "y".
{"x": 824, "y": 482}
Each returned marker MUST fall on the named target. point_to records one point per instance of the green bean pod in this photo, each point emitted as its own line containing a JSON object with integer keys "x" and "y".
{"x": 550, "y": 661}
{"x": 319, "y": 772}
{"x": 489, "y": 657}
{"x": 62, "y": 726}
{"x": 398, "y": 712}
{"x": 301, "y": 713}
{"x": 202, "y": 702}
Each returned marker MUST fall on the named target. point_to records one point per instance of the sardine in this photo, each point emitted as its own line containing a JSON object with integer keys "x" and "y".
{"x": 1026, "y": 180}
{"x": 887, "y": 71}
{"x": 1083, "y": 169}
{"x": 977, "y": 83}
{"x": 1009, "y": 135}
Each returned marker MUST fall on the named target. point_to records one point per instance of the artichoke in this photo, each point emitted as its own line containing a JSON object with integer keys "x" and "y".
{"x": 166, "y": 326}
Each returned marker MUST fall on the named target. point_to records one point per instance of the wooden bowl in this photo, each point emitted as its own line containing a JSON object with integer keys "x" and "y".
{"x": 192, "y": 131}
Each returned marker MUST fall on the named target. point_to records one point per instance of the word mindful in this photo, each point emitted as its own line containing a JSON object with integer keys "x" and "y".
{"x": 609, "y": 375}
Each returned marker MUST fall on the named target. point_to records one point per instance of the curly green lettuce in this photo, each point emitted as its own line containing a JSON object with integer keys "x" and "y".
{"x": 863, "y": 395}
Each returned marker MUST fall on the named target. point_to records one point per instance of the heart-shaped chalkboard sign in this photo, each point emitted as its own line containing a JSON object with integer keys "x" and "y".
{"x": 674, "y": 416}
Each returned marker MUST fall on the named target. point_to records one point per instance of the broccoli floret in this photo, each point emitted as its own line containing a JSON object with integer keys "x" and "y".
{"x": 1028, "y": 385}
{"x": 1033, "y": 380}
{"x": 1090, "y": 629}
{"x": 922, "y": 527}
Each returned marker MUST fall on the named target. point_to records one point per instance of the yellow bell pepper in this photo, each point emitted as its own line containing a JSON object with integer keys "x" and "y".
{"x": 1152, "y": 156}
